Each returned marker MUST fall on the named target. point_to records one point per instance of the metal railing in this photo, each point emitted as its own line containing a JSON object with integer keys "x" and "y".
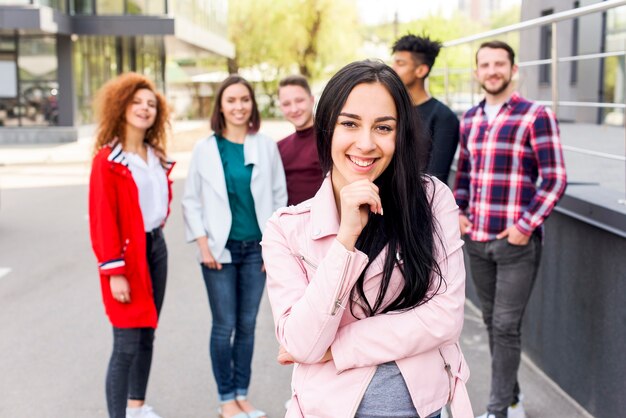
{"x": 552, "y": 20}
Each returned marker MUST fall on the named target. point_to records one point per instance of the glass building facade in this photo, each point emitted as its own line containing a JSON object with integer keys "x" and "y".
{"x": 51, "y": 73}
{"x": 97, "y": 59}
{"x": 28, "y": 69}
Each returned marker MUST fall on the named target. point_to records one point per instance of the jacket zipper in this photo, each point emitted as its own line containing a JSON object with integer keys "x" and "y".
{"x": 448, "y": 369}
{"x": 304, "y": 259}
{"x": 337, "y": 303}
{"x": 362, "y": 392}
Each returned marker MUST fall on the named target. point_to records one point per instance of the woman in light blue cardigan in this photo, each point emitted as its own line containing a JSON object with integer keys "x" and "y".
{"x": 236, "y": 181}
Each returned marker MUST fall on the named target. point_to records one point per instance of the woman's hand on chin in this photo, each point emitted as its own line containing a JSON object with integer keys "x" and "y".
{"x": 358, "y": 199}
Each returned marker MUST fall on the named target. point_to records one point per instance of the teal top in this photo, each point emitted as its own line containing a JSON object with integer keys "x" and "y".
{"x": 238, "y": 175}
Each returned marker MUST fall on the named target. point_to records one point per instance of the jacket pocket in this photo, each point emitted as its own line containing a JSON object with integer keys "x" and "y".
{"x": 306, "y": 260}
{"x": 309, "y": 265}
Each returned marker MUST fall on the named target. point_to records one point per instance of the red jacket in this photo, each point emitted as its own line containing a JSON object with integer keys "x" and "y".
{"x": 118, "y": 237}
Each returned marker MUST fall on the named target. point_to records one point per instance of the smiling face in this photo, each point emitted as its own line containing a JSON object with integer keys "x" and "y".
{"x": 297, "y": 106}
{"x": 236, "y": 106}
{"x": 142, "y": 110}
{"x": 364, "y": 139}
{"x": 494, "y": 71}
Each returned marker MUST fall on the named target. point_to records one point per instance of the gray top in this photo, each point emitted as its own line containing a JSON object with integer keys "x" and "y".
{"x": 387, "y": 395}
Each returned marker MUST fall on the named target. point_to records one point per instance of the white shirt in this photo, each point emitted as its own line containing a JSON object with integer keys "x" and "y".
{"x": 151, "y": 184}
{"x": 492, "y": 111}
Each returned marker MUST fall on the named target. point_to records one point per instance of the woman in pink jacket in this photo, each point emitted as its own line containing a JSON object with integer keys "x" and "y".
{"x": 366, "y": 279}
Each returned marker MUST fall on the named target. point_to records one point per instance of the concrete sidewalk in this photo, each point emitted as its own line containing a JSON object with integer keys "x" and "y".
{"x": 183, "y": 137}
{"x": 542, "y": 397}
{"x": 75, "y": 152}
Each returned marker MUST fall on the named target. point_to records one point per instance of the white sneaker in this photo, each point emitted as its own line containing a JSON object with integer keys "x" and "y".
{"x": 144, "y": 412}
{"x": 516, "y": 411}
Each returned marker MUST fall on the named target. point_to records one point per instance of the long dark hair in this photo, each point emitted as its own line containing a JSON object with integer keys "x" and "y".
{"x": 218, "y": 123}
{"x": 408, "y": 227}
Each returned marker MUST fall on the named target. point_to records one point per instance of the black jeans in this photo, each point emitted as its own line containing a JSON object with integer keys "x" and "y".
{"x": 504, "y": 276}
{"x": 129, "y": 366}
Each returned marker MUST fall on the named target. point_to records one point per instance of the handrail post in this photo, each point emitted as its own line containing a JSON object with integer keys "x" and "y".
{"x": 471, "y": 73}
{"x": 446, "y": 82}
{"x": 623, "y": 201}
{"x": 554, "y": 71}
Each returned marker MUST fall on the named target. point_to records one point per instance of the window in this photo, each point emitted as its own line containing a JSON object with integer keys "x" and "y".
{"x": 131, "y": 7}
{"x": 81, "y": 7}
{"x": 545, "y": 45}
{"x": 9, "y": 85}
{"x": 38, "y": 80}
{"x": 95, "y": 63}
{"x": 146, "y": 7}
{"x": 98, "y": 59}
{"x": 110, "y": 7}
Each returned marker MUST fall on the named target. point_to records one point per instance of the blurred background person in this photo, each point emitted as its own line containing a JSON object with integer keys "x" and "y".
{"x": 299, "y": 150}
{"x": 507, "y": 144}
{"x": 129, "y": 201}
{"x": 413, "y": 58}
{"x": 235, "y": 182}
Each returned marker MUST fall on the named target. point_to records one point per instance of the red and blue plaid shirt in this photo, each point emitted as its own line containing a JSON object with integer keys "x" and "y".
{"x": 499, "y": 164}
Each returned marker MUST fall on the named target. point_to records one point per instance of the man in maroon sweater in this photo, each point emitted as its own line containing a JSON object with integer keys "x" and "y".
{"x": 299, "y": 150}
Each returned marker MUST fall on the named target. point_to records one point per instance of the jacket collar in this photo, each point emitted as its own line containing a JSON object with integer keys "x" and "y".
{"x": 212, "y": 170}
{"x": 117, "y": 154}
{"x": 324, "y": 215}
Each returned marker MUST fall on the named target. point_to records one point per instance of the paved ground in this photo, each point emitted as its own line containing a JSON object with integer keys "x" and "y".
{"x": 55, "y": 340}
{"x": 595, "y": 155}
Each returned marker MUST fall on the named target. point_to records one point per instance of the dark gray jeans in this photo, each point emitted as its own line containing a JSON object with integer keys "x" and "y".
{"x": 504, "y": 275}
{"x": 129, "y": 366}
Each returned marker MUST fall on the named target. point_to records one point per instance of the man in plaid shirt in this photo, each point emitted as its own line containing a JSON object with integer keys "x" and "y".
{"x": 506, "y": 144}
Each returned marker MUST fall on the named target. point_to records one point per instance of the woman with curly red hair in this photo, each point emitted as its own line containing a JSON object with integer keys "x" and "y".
{"x": 129, "y": 201}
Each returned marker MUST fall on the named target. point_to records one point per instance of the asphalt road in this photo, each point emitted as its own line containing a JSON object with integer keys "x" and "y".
{"x": 56, "y": 339}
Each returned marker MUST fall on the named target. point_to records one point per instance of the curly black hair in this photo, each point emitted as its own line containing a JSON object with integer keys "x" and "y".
{"x": 423, "y": 49}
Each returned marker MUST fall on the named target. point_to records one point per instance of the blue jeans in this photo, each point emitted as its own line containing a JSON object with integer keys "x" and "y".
{"x": 129, "y": 366}
{"x": 504, "y": 276}
{"x": 234, "y": 296}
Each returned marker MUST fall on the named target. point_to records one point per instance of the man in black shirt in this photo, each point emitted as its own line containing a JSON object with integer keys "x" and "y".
{"x": 413, "y": 57}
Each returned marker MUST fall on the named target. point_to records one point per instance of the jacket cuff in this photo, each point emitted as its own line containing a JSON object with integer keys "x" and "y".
{"x": 352, "y": 265}
{"x": 113, "y": 267}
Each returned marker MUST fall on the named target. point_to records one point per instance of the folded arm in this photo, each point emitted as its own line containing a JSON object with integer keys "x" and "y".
{"x": 306, "y": 309}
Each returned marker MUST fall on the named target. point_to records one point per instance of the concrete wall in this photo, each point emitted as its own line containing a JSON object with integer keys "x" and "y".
{"x": 575, "y": 324}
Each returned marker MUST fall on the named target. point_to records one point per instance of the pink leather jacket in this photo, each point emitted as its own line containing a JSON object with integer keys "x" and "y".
{"x": 309, "y": 278}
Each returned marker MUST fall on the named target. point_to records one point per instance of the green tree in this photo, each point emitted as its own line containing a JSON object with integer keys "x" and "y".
{"x": 284, "y": 36}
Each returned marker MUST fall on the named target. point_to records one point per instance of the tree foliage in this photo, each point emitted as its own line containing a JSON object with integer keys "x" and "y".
{"x": 285, "y": 36}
